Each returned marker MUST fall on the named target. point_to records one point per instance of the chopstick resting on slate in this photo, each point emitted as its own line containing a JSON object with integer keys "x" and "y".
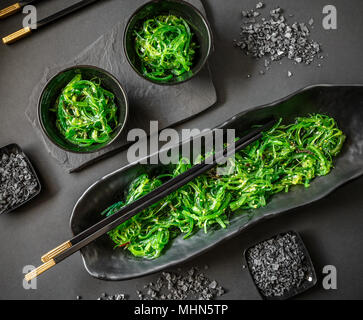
{"x": 86, "y": 237}
{"x": 16, "y": 7}
{"x": 44, "y": 22}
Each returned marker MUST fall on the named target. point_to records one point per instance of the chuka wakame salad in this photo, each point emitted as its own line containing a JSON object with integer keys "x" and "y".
{"x": 166, "y": 47}
{"x": 286, "y": 155}
{"x": 86, "y": 113}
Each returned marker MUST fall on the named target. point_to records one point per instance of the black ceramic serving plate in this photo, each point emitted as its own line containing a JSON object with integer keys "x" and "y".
{"x": 52, "y": 91}
{"x": 198, "y": 23}
{"x": 14, "y": 148}
{"x": 309, "y": 282}
{"x": 344, "y": 103}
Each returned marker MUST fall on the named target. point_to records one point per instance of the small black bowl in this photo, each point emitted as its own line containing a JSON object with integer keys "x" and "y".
{"x": 54, "y": 88}
{"x": 195, "y": 19}
{"x": 309, "y": 283}
{"x": 15, "y": 149}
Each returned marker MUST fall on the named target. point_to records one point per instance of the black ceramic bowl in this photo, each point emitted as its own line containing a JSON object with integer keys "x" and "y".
{"x": 15, "y": 149}
{"x": 54, "y": 88}
{"x": 199, "y": 25}
{"x": 308, "y": 283}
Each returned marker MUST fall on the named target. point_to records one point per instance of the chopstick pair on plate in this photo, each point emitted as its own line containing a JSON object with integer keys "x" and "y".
{"x": 40, "y": 24}
{"x": 84, "y": 238}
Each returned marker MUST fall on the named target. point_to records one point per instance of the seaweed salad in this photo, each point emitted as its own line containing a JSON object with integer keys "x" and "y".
{"x": 165, "y": 47}
{"x": 86, "y": 112}
{"x": 285, "y": 156}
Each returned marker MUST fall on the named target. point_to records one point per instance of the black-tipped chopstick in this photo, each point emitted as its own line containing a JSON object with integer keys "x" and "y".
{"x": 44, "y": 22}
{"x": 86, "y": 237}
{"x": 14, "y": 8}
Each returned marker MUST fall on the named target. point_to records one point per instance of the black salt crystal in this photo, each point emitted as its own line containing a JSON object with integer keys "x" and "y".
{"x": 259, "y": 5}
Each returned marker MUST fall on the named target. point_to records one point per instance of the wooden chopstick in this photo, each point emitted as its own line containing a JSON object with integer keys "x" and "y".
{"x": 66, "y": 249}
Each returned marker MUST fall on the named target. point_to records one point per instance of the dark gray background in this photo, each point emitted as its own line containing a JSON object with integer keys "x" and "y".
{"x": 331, "y": 228}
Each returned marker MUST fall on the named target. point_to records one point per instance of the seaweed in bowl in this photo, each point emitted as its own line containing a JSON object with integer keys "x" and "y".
{"x": 86, "y": 113}
{"x": 166, "y": 47}
{"x": 167, "y": 42}
{"x": 287, "y": 155}
{"x": 83, "y": 109}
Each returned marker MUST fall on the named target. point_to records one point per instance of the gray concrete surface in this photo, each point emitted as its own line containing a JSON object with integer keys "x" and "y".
{"x": 331, "y": 227}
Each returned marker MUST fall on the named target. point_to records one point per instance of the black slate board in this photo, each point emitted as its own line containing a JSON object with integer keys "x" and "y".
{"x": 167, "y": 104}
